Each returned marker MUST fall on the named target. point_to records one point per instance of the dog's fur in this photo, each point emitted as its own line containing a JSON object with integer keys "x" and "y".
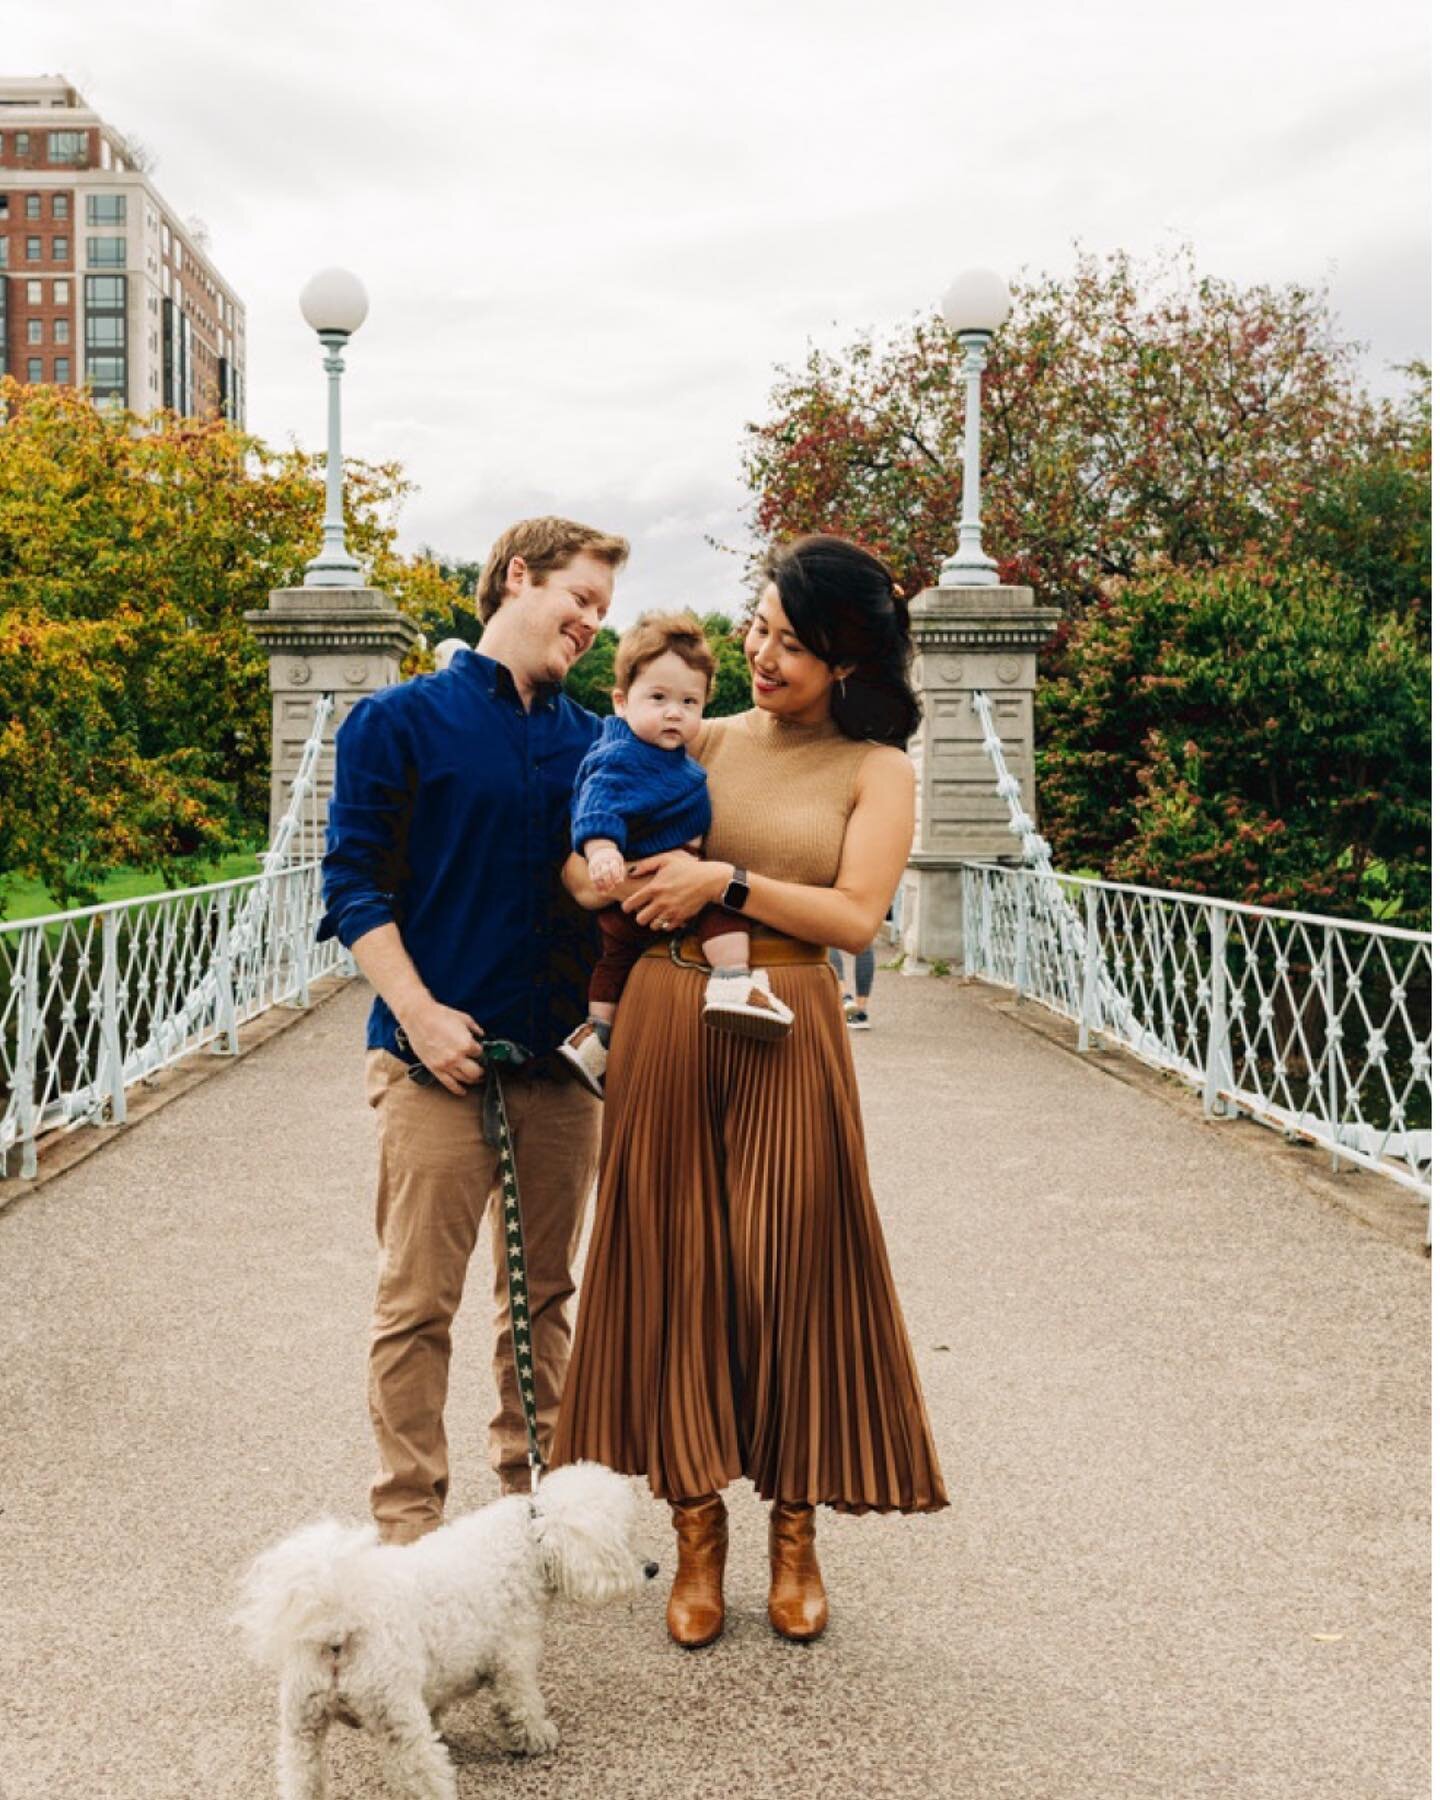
{"x": 386, "y": 1636}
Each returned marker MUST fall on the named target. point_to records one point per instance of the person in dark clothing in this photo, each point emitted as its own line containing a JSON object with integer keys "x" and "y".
{"x": 449, "y": 821}
{"x": 638, "y": 793}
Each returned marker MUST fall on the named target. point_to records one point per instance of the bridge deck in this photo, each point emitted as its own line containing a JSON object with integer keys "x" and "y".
{"x": 1180, "y": 1400}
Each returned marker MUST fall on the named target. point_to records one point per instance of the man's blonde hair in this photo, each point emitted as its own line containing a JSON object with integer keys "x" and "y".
{"x": 545, "y": 544}
{"x": 652, "y": 635}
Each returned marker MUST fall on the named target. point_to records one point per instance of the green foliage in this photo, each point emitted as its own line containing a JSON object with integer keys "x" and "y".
{"x": 1251, "y": 732}
{"x": 138, "y": 713}
{"x": 592, "y": 680}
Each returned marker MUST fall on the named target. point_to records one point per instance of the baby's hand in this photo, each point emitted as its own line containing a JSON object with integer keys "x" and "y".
{"x": 607, "y": 868}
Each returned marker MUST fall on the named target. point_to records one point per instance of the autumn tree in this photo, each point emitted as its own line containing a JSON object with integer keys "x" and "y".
{"x": 138, "y": 718}
{"x": 1132, "y": 414}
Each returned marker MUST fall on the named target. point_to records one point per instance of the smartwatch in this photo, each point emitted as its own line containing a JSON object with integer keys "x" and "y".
{"x": 737, "y": 892}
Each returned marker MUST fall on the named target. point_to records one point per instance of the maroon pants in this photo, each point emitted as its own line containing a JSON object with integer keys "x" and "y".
{"x": 625, "y": 942}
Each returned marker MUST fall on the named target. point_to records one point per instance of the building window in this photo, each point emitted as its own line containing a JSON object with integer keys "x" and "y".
{"x": 22, "y": 145}
{"x": 34, "y": 293}
{"x": 105, "y": 291}
{"x": 4, "y": 253}
{"x": 165, "y": 238}
{"x": 34, "y": 369}
{"x": 34, "y": 331}
{"x": 62, "y": 368}
{"x": 32, "y": 249}
{"x": 106, "y": 371}
{"x": 32, "y": 206}
{"x": 60, "y": 249}
{"x": 104, "y": 331}
{"x": 59, "y": 206}
{"x": 67, "y": 147}
{"x": 4, "y": 206}
{"x": 62, "y": 293}
{"x": 62, "y": 331}
{"x": 105, "y": 252}
{"x": 104, "y": 209}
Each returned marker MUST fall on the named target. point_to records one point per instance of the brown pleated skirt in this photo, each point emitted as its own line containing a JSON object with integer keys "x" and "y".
{"x": 738, "y": 1315}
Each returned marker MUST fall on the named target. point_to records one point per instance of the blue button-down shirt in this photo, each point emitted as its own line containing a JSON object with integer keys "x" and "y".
{"x": 451, "y": 818}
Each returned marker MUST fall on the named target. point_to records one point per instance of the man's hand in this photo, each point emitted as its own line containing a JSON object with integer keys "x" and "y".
{"x": 605, "y": 863}
{"x": 447, "y": 1042}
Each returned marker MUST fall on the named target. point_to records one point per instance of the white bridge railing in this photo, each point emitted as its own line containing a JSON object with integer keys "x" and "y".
{"x": 1320, "y": 1027}
{"x": 94, "y": 1000}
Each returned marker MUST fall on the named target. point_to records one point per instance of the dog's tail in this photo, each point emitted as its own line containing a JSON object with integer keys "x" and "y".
{"x": 304, "y": 1591}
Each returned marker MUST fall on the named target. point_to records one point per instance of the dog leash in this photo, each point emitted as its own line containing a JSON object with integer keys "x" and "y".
{"x": 496, "y": 1054}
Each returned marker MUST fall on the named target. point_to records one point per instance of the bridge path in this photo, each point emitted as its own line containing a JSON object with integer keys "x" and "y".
{"x": 1180, "y": 1400}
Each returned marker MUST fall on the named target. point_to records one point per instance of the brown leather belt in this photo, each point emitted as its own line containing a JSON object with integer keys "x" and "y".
{"x": 766, "y": 951}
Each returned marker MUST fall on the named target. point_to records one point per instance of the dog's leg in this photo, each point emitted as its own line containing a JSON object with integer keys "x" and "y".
{"x": 518, "y": 1699}
{"x": 415, "y": 1758}
{"x": 304, "y": 1721}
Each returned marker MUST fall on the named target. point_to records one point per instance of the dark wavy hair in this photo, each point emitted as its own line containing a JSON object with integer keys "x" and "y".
{"x": 845, "y": 607}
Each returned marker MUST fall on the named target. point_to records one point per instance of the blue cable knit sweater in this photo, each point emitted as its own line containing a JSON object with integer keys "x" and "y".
{"x": 644, "y": 799}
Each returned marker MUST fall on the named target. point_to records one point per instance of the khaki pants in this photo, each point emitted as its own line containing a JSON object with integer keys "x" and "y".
{"x": 437, "y": 1176}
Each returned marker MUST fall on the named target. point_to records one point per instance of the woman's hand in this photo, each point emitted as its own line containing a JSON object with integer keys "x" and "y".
{"x": 674, "y": 889}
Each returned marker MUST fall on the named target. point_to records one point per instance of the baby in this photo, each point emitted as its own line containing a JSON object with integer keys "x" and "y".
{"x": 638, "y": 792}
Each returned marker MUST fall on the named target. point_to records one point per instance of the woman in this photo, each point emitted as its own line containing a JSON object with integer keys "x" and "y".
{"x": 738, "y": 1315}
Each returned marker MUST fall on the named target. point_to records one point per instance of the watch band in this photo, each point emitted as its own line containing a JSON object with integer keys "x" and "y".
{"x": 737, "y": 891}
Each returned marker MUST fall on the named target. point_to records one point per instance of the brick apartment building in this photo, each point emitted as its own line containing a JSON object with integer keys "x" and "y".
{"x": 99, "y": 281}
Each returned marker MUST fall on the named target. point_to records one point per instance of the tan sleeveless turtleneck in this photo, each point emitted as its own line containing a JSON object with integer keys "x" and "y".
{"x": 781, "y": 794}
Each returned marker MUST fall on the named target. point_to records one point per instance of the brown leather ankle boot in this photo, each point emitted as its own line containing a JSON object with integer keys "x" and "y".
{"x": 798, "y": 1607}
{"x": 696, "y": 1613}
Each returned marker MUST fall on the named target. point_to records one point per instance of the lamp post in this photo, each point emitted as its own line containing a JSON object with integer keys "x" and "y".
{"x": 334, "y": 304}
{"x": 975, "y": 306}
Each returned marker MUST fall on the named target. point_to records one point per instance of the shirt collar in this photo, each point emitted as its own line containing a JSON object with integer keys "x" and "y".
{"x": 499, "y": 683}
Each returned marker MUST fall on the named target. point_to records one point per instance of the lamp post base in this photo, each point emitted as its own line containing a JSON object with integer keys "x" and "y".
{"x": 327, "y": 571}
{"x": 970, "y": 569}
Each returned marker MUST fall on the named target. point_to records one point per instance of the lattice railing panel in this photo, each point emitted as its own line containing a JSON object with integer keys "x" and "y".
{"x": 94, "y": 1000}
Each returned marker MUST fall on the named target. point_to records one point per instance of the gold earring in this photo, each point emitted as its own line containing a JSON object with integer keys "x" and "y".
{"x": 842, "y": 687}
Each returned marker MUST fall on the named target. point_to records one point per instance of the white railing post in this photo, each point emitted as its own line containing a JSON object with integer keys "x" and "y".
{"x": 1333, "y": 1035}
{"x": 27, "y": 1046}
{"x": 299, "y": 939}
{"x": 967, "y": 924}
{"x": 1219, "y": 1069}
{"x": 228, "y": 1041}
{"x": 111, "y": 1079}
{"x": 1022, "y": 946}
{"x": 1090, "y": 978}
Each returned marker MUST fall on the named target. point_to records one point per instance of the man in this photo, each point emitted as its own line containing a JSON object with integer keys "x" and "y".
{"x": 449, "y": 822}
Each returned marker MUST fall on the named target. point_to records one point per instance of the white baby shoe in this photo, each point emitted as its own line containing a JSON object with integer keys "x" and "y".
{"x": 587, "y": 1058}
{"x": 744, "y": 1006}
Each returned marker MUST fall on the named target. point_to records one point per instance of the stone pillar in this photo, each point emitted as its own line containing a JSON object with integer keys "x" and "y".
{"x": 342, "y": 641}
{"x": 966, "y": 638}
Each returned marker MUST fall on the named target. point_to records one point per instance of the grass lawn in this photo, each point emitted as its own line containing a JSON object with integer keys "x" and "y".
{"x": 30, "y": 900}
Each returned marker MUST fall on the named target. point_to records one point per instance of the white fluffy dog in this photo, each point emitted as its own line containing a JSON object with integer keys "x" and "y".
{"x": 386, "y": 1636}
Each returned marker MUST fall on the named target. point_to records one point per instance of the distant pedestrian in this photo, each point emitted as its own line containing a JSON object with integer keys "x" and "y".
{"x": 856, "y": 1000}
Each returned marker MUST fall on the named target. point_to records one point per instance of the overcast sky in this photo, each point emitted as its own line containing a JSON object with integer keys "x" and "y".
{"x": 591, "y": 230}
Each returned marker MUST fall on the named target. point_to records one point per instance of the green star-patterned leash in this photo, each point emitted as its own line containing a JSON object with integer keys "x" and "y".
{"x": 496, "y": 1054}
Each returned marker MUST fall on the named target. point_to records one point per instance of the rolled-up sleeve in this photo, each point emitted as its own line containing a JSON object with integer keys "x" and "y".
{"x": 364, "y": 869}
